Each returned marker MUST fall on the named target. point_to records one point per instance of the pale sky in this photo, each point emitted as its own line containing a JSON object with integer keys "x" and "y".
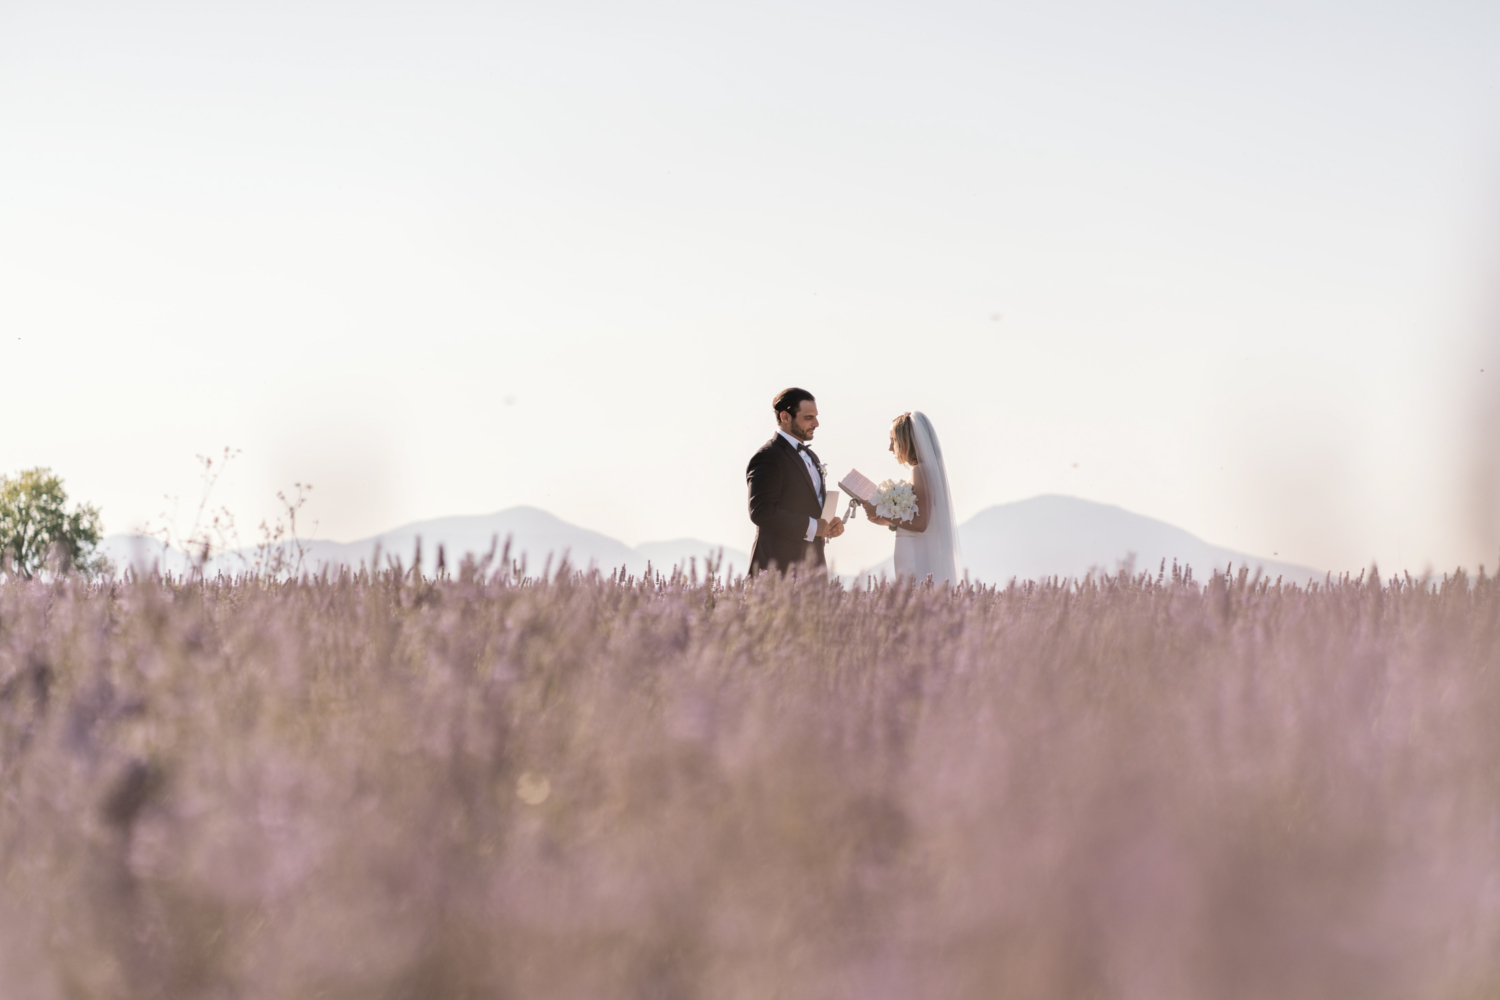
{"x": 1224, "y": 265}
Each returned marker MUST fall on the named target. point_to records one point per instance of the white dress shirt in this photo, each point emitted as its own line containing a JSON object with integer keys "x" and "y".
{"x": 812, "y": 470}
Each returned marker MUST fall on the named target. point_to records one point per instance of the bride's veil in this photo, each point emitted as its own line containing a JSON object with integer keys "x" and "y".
{"x": 940, "y": 540}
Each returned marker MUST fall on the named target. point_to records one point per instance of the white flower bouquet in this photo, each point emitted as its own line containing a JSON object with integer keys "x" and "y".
{"x": 894, "y": 499}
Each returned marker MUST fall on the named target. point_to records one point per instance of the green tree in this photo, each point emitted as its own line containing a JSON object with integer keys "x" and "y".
{"x": 38, "y": 532}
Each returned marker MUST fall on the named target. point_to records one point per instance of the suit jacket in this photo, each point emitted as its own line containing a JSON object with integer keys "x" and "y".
{"x": 782, "y": 498}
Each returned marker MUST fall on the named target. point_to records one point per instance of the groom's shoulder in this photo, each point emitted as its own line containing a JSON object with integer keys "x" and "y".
{"x": 774, "y": 440}
{"x": 766, "y": 449}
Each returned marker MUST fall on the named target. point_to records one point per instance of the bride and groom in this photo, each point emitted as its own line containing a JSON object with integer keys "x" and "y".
{"x": 789, "y": 486}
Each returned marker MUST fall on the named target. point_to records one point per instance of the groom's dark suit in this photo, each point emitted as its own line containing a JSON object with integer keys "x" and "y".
{"x": 782, "y": 498}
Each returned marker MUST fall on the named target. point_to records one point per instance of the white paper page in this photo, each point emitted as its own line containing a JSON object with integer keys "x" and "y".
{"x": 831, "y": 505}
{"x": 858, "y": 486}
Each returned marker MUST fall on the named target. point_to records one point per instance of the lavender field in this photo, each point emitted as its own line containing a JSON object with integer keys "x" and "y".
{"x": 392, "y": 787}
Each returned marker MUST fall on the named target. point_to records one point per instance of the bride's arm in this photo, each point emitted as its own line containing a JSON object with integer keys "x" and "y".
{"x": 918, "y": 520}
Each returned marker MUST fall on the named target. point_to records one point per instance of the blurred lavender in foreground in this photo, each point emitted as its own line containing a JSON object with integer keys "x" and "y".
{"x": 382, "y": 786}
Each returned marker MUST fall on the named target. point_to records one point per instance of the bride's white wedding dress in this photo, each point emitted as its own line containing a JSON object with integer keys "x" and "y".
{"x": 933, "y": 552}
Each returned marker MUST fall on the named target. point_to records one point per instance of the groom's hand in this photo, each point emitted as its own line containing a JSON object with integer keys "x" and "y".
{"x": 830, "y": 529}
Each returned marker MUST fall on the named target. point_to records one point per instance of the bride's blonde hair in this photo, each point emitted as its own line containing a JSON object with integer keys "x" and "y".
{"x": 905, "y": 437}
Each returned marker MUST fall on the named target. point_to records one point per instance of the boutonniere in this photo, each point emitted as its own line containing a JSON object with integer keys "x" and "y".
{"x": 822, "y": 469}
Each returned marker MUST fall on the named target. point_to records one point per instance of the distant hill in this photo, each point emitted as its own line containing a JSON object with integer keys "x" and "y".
{"x": 534, "y": 534}
{"x": 1064, "y": 536}
{"x": 683, "y": 551}
{"x": 1030, "y": 539}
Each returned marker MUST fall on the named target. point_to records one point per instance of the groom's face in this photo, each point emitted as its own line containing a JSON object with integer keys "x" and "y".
{"x": 803, "y": 424}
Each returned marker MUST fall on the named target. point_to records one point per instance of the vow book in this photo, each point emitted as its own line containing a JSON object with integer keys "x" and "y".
{"x": 858, "y": 486}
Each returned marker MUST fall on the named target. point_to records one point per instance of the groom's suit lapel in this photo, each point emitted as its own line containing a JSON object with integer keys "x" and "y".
{"x": 796, "y": 459}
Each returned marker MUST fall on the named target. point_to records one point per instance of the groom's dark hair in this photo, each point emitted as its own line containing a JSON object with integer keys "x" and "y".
{"x": 790, "y": 400}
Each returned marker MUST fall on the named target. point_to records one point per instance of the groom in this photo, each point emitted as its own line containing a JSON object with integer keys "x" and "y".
{"x": 787, "y": 490}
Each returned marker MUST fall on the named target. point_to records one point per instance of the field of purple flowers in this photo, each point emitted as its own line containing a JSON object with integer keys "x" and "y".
{"x": 390, "y": 787}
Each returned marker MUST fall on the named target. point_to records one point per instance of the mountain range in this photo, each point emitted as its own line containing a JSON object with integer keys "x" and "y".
{"x": 1042, "y": 537}
{"x": 1064, "y": 536}
{"x": 534, "y": 535}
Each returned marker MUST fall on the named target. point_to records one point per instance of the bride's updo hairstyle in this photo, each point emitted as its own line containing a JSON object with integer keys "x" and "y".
{"x": 906, "y": 439}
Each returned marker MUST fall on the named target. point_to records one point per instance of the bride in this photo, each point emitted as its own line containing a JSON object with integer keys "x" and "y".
{"x": 925, "y": 545}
